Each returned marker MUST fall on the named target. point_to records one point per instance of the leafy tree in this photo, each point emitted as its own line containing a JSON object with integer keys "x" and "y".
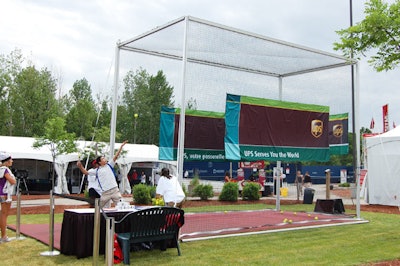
{"x": 59, "y": 142}
{"x": 10, "y": 67}
{"x": 32, "y": 101}
{"x": 380, "y": 31}
{"x": 82, "y": 114}
{"x": 104, "y": 116}
{"x": 143, "y": 95}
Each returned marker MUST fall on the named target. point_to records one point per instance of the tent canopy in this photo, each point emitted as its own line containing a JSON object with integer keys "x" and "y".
{"x": 21, "y": 148}
{"x": 383, "y": 156}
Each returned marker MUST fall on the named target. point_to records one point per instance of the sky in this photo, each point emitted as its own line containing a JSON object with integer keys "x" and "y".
{"x": 77, "y": 39}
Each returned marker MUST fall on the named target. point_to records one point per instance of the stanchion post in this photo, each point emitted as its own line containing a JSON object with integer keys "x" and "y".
{"x": 51, "y": 251}
{"x": 110, "y": 225}
{"x": 18, "y": 222}
{"x": 96, "y": 233}
{"x": 328, "y": 183}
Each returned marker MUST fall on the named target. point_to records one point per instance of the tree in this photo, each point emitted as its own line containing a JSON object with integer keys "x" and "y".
{"x": 32, "y": 101}
{"x": 59, "y": 142}
{"x": 380, "y": 31}
{"x": 143, "y": 95}
{"x": 10, "y": 67}
{"x": 82, "y": 114}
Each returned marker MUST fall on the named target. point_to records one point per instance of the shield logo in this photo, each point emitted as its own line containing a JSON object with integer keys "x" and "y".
{"x": 317, "y": 127}
{"x": 337, "y": 130}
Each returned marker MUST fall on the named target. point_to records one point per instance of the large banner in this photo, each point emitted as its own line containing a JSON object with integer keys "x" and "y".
{"x": 204, "y": 135}
{"x": 338, "y": 134}
{"x": 263, "y": 129}
{"x": 385, "y": 114}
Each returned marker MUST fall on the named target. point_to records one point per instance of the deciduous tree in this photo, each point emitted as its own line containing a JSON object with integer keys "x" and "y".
{"x": 143, "y": 95}
{"x": 378, "y": 33}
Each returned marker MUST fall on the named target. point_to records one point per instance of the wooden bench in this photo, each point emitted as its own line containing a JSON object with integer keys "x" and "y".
{"x": 149, "y": 225}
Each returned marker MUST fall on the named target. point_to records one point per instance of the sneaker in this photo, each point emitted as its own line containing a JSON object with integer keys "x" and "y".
{"x": 4, "y": 239}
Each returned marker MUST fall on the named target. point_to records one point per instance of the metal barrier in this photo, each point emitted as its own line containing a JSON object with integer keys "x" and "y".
{"x": 110, "y": 229}
{"x": 18, "y": 221}
{"x": 51, "y": 251}
{"x": 96, "y": 233}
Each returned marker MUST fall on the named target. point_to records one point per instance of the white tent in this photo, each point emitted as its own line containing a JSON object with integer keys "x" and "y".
{"x": 383, "y": 178}
{"x": 21, "y": 148}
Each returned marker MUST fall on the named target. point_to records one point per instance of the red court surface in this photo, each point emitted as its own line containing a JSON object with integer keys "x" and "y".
{"x": 200, "y": 226}
{"x": 221, "y": 224}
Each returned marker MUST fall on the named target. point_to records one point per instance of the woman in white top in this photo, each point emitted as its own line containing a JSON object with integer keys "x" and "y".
{"x": 169, "y": 188}
{"x": 6, "y": 176}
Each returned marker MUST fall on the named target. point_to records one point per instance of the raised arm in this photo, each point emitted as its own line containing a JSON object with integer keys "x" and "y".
{"x": 83, "y": 170}
{"x": 119, "y": 150}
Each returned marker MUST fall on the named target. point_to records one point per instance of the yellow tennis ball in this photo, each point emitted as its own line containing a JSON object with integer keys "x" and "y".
{"x": 290, "y": 221}
{"x": 316, "y": 217}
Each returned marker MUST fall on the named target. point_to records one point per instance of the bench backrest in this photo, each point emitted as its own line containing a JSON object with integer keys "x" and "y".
{"x": 155, "y": 223}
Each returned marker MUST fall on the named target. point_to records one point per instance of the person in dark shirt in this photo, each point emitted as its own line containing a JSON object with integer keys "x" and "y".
{"x": 307, "y": 180}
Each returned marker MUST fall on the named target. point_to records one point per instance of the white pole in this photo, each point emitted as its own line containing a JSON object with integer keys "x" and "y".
{"x": 110, "y": 224}
{"x": 278, "y": 164}
{"x": 114, "y": 104}
{"x": 96, "y": 233}
{"x": 357, "y": 134}
{"x": 181, "y": 133}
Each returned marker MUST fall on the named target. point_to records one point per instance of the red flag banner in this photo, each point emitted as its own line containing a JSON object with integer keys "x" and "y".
{"x": 372, "y": 124}
{"x": 385, "y": 113}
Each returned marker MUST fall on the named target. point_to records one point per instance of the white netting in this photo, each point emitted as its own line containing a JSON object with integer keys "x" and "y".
{"x": 223, "y": 60}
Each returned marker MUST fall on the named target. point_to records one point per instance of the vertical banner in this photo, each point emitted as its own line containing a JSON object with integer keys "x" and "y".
{"x": 372, "y": 124}
{"x": 204, "y": 135}
{"x": 265, "y": 129}
{"x": 338, "y": 134}
{"x": 385, "y": 114}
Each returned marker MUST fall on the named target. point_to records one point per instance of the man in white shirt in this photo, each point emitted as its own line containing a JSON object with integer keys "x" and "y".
{"x": 106, "y": 179}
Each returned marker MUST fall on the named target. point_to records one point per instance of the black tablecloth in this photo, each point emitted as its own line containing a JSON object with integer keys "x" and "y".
{"x": 329, "y": 206}
{"x": 77, "y": 232}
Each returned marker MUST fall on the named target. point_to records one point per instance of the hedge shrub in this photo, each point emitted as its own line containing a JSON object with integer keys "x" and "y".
{"x": 141, "y": 194}
{"x": 203, "y": 191}
{"x": 230, "y": 192}
{"x": 251, "y": 191}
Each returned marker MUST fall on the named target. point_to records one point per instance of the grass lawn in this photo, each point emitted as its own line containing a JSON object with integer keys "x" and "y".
{"x": 358, "y": 244}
